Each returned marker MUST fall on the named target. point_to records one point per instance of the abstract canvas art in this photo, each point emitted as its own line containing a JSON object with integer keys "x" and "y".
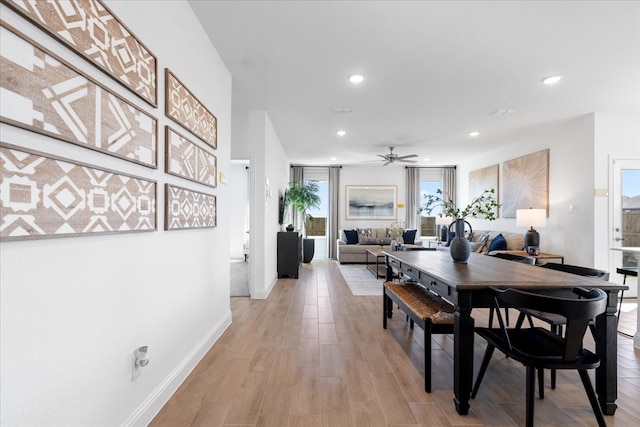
{"x": 45, "y": 196}
{"x": 525, "y": 183}
{"x": 41, "y": 93}
{"x": 371, "y": 202}
{"x": 483, "y": 179}
{"x": 185, "y": 159}
{"x": 188, "y": 209}
{"x": 186, "y": 110}
{"x": 89, "y": 28}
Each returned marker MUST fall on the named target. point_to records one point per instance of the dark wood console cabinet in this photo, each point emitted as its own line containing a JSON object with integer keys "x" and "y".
{"x": 289, "y": 254}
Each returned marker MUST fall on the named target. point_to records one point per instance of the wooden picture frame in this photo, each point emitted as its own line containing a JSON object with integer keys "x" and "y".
{"x": 186, "y": 209}
{"x": 375, "y": 202}
{"x": 90, "y": 29}
{"x": 44, "y": 94}
{"x": 525, "y": 183}
{"x": 44, "y": 196}
{"x": 184, "y": 108}
{"x": 185, "y": 159}
{"x": 484, "y": 179}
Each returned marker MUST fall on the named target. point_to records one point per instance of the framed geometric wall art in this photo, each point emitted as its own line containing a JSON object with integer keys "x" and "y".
{"x": 186, "y": 110}
{"x": 185, "y": 159}
{"x": 186, "y": 208}
{"x": 45, "y": 196}
{"x": 525, "y": 183}
{"x": 483, "y": 179}
{"x": 94, "y": 32}
{"x": 371, "y": 201}
{"x": 42, "y": 93}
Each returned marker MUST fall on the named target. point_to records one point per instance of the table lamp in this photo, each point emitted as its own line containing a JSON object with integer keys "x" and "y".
{"x": 531, "y": 218}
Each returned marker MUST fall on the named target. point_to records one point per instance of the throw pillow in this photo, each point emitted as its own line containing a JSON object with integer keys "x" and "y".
{"x": 352, "y": 237}
{"x": 409, "y": 236}
{"x": 482, "y": 242}
{"x": 364, "y": 232}
{"x": 498, "y": 244}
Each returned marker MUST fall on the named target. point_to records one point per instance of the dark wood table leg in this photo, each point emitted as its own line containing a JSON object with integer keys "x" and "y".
{"x": 463, "y": 353}
{"x": 388, "y": 278}
{"x": 606, "y": 337}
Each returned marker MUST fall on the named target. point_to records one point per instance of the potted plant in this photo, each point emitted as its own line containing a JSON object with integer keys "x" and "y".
{"x": 303, "y": 196}
{"x": 483, "y": 206}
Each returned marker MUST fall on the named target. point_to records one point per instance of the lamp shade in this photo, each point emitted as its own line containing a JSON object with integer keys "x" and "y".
{"x": 531, "y": 217}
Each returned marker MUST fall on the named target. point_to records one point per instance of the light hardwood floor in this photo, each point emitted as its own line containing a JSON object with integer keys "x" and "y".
{"x": 312, "y": 354}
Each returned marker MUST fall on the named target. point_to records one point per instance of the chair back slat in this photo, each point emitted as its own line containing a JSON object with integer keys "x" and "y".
{"x": 578, "y": 270}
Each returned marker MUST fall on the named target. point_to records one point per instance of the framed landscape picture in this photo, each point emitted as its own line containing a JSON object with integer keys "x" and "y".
{"x": 371, "y": 201}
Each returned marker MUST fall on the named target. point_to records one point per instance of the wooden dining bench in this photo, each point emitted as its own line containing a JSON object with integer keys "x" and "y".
{"x": 430, "y": 312}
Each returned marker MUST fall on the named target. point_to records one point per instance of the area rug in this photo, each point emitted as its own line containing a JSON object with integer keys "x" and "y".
{"x": 360, "y": 280}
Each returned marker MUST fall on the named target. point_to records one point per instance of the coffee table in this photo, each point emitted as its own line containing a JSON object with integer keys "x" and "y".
{"x": 378, "y": 269}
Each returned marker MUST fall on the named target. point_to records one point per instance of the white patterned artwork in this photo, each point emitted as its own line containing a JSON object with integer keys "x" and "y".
{"x": 189, "y": 209}
{"x": 45, "y": 196}
{"x": 41, "y": 93}
{"x": 185, "y": 159}
{"x": 89, "y": 27}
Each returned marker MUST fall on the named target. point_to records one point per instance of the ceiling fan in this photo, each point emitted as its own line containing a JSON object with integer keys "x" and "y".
{"x": 392, "y": 157}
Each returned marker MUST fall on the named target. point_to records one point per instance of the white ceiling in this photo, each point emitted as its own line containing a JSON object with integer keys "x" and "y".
{"x": 433, "y": 70}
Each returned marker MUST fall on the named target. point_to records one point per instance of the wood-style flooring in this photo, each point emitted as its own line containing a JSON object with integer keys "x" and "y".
{"x": 312, "y": 354}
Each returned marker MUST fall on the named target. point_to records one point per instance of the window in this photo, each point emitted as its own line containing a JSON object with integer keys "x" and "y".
{"x": 430, "y": 182}
{"x": 318, "y": 228}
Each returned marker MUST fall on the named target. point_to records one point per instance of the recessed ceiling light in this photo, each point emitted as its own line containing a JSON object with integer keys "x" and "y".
{"x": 549, "y": 80}
{"x": 356, "y": 78}
{"x": 474, "y": 134}
{"x": 333, "y": 159}
{"x": 341, "y": 133}
{"x": 427, "y": 159}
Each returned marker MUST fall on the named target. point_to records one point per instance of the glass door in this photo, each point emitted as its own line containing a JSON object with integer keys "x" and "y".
{"x": 626, "y": 215}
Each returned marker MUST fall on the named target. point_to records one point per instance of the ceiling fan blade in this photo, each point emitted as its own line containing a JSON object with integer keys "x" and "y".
{"x": 386, "y": 163}
{"x": 407, "y": 156}
{"x": 380, "y": 155}
{"x": 406, "y": 161}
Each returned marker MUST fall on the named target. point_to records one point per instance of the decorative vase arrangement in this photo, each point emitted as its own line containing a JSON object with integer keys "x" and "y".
{"x": 460, "y": 247}
{"x": 484, "y": 206}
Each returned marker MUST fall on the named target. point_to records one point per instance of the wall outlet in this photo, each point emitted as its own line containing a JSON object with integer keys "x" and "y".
{"x": 573, "y": 208}
{"x": 136, "y": 371}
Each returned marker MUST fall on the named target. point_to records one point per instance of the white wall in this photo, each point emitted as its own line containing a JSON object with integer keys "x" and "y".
{"x": 578, "y": 163}
{"x": 270, "y": 170}
{"x": 372, "y": 175}
{"x": 74, "y": 309}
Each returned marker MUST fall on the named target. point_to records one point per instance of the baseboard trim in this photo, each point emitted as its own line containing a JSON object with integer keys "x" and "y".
{"x": 264, "y": 294}
{"x": 143, "y": 415}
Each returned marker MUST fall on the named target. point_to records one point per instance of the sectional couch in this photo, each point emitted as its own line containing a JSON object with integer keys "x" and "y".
{"x": 481, "y": 242}
{"x": 367, "y": 238}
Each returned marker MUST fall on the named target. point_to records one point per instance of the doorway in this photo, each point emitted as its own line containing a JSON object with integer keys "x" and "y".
{"x": 239, "y": 231}
{"x": 626, "y": 217}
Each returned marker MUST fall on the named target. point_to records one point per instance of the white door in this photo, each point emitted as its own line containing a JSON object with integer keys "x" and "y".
{"x": 626, "y": 217}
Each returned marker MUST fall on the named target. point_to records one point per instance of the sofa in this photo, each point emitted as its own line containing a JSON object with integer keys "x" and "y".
{"x": 484, "y": 241}
{"x": 353, "y": 244}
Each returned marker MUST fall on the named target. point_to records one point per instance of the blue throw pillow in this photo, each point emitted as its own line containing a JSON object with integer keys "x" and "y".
{"x": 498, "y": 244}
{"x": 352, "y": 237}
{"x": 409, "y": 236}
{"x": 450, "y": 237}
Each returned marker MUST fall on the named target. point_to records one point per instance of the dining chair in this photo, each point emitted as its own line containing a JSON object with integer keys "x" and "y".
{"x": 539, "y": 348}
{"x": 509, "y": 257}
{"x": 556, "y": 322}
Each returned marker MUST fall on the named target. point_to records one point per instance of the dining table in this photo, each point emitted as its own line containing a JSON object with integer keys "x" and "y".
{"x": 466, "y": 286}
